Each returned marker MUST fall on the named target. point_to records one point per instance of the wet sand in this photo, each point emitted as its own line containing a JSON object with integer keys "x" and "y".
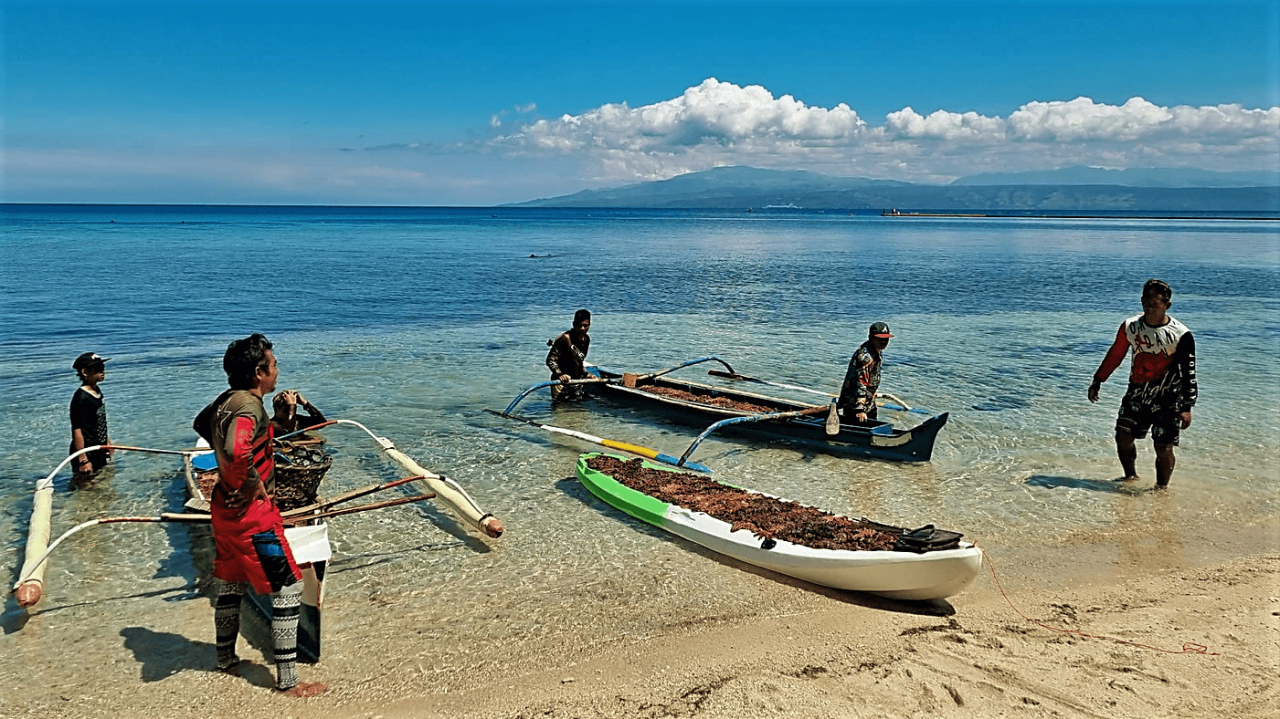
{"x": 795, "y": 650}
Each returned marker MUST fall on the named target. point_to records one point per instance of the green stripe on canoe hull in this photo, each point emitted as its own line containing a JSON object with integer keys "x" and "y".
{"x": 620, "y": 496}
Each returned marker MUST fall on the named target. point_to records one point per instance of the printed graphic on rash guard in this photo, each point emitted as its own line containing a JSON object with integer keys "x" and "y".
{"x": 1153, "y": 347}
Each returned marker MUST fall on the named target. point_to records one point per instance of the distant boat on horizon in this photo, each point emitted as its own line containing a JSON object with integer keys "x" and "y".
{"x": 788, "y": 206}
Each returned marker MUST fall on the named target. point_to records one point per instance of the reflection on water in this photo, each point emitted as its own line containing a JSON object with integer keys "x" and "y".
{"x": 1096, "y": 485}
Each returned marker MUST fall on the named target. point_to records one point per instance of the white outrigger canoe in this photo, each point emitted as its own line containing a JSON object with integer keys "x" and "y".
{"x": 308, "y": 542}
{"x": 894, "y": 574}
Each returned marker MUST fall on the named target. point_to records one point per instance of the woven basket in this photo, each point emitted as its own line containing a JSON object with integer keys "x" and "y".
{"x": 297, "y": 483}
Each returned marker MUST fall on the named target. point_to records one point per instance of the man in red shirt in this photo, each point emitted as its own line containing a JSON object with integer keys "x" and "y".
{"x": 1162, "y": 381}
{"x": 248, "y": 532}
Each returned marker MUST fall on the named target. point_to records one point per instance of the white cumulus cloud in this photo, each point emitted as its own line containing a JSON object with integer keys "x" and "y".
{"x": 943, "y": 125}
{"x": 719, "y": 123}
{"x": 712, "y": 113}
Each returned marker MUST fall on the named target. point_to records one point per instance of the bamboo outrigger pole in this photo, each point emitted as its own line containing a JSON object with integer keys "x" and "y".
{"x": 444, "y": 488}
{"x": 30, "y": 590}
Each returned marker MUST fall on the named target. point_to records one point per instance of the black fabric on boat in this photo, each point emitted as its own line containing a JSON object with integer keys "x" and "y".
{"x": 928, "y": 539}
{"x": 925, "y": 539}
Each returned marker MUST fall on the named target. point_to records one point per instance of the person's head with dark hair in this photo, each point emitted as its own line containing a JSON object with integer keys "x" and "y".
{"x": 1156, "y": 299}
{"x": 1159, "y": 288}
{"x": 581, "y": 324}
{"x": 244, "y": 358}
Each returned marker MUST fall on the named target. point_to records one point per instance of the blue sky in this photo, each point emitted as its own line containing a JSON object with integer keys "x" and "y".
{"x": 486, "y": 102}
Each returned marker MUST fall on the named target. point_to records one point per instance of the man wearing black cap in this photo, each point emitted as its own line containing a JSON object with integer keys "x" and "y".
{"x": 89, "y": 415}
{"x": 857, "y": 400}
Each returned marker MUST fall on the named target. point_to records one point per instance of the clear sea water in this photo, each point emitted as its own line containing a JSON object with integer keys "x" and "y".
{"x": 412, "y": 321}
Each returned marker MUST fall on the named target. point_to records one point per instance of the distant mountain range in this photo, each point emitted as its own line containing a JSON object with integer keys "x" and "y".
{"x": 1074, "y": 189}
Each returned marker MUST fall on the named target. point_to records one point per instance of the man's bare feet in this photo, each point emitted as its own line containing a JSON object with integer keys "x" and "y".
{"x": 303, "y": 690}
{"x": 234, "y": 668}
{"x": 1130, "y": 478}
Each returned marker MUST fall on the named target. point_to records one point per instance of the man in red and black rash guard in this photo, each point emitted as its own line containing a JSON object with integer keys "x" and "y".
{"x": 248, "y": 531}
{"x": 1162, "y": 381}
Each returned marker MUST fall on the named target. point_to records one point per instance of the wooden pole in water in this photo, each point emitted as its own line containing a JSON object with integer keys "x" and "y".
{"x": 450, "y": 493}
{"x": 30, "y": 591}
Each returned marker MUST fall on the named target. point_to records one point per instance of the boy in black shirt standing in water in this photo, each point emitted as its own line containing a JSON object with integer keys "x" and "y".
{"x": 89, "y": 416}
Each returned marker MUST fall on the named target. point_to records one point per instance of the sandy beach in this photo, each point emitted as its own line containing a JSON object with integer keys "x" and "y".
{"x": 807, "y": 652}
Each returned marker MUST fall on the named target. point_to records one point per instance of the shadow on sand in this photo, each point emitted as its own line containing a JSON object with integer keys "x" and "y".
{"x": 162, "y": 655}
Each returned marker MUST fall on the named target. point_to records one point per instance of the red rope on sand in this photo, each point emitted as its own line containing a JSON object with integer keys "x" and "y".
{"x": 1187, "y": 647}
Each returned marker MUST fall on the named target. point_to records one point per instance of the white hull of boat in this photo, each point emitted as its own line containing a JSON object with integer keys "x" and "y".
{"x": 893, "y": 574}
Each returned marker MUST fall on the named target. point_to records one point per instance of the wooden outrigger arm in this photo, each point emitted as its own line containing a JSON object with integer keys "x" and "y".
{"x": 319, "y": 510}
{"x": 31, "y": 587}
{"x": 830, "y": 410}
{"x": 554, "y": 383}
{"x": 443, "y": 487}
{"x": 631, "y": 379}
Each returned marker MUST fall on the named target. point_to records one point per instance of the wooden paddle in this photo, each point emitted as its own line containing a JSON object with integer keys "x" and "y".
{"x": 833, "y": 419}
{"x": 614, "y": 444}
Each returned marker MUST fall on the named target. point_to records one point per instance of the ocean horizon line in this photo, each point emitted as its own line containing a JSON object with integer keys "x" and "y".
{"x": 935, "y": 212}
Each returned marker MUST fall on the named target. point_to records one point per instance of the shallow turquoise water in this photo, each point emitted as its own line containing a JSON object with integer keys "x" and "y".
{"x": 413, "y": 321}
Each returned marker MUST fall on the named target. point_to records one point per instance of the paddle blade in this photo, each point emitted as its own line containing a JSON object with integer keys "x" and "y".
{"x": 833, "y": 420}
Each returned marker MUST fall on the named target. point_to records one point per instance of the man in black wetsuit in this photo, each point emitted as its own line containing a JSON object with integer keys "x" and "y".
{"x": 568, "y": 355}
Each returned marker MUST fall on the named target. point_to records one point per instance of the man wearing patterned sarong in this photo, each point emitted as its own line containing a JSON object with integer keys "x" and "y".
{"x": 252, "y": 552}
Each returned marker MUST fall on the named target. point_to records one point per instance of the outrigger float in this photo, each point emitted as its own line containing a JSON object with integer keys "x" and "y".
{"x": 760, "y": 416}
{"x": 305, "y": 527}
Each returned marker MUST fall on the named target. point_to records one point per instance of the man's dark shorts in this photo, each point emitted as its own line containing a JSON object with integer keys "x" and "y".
{"x": 1143, "y": 409}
